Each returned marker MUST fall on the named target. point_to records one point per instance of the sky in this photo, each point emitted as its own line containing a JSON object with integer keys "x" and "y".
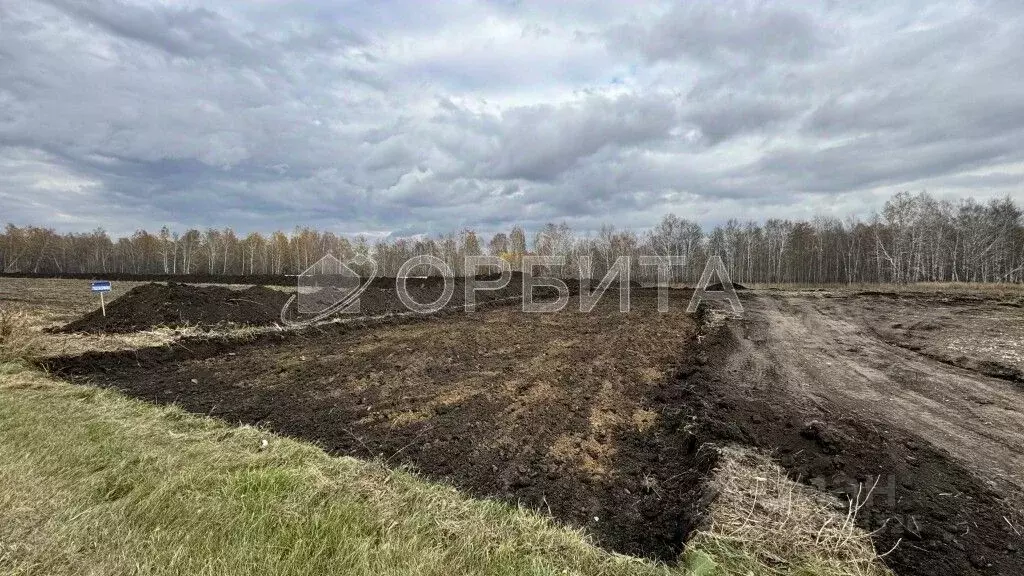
{"x": 413, "y": 117}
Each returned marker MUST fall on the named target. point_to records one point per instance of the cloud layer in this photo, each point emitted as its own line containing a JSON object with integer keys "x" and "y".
{"x": 406, "y": 117}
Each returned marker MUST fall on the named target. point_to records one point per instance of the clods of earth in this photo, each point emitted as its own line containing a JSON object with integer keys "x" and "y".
{"x": 608, "y": 420}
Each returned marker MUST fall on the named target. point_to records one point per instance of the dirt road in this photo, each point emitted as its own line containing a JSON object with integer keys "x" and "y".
{"x": 815, "y": 378}
{"x": 827, "y": 352}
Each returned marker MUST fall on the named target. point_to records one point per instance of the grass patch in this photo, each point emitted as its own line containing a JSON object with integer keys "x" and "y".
{"x": 19, "y": 341}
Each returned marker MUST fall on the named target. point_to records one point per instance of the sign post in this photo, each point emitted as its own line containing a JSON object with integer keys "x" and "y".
{"x": 101, "y": 287}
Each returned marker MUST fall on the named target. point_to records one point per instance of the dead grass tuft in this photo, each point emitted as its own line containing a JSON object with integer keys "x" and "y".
{"x": 764, "y": 523}
{"x": 78, "y": 343}
{"x": 19, "y": 339}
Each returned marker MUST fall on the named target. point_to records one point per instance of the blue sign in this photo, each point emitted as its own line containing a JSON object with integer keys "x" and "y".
{"x": 101, "y": 286}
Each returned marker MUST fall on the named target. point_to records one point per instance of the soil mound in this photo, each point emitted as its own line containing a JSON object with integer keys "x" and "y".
{"x": 381, "y": 297}
{"x": 177, "y": 305}
{"x": 717, "y": 287}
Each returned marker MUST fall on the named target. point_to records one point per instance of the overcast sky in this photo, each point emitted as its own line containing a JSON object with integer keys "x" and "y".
{"x": 413, "y": 117}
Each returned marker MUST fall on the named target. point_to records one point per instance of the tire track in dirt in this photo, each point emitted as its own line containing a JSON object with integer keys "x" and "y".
{"x": 925, "y": 396}
{"x": 842, "y": 408}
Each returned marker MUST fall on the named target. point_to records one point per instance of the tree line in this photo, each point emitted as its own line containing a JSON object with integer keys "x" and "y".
{"x": 914, "y": 238}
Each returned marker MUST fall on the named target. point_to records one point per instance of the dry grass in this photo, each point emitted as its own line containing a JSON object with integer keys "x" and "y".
{"x": 19, "y": 340}
{"x": 72, "y": 344}
{"x": 764, "y": 523}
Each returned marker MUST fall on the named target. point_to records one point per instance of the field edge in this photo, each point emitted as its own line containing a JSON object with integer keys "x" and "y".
{"x": 101, "y": 483}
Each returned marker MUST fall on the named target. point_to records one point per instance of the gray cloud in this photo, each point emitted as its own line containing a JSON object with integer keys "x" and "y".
{"x": 727, "y": 32}
{"x": 416, "y": 118}
{"x": 542, "y": 142}
{"x": 180, "y": 32}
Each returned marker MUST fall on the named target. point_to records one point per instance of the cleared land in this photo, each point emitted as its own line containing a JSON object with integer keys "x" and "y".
{"x": 608, "y": 421}
{"x": 95, "y": 483}
{"x": 559, "y": 411}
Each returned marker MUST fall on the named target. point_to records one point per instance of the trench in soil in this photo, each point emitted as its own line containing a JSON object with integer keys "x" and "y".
{"x": 603, "y": 420}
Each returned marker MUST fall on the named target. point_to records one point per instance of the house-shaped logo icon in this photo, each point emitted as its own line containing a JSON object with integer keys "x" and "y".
{"x": 326, "y": 284}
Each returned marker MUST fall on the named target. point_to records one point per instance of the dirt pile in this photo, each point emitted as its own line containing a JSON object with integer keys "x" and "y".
{"x": 718, "y": 287}
{"x": 178, "y": 305}
{"x": 381, "y": 296}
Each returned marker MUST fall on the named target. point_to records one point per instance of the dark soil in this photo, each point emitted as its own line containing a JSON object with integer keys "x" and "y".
{"x": 381, "y": 296}
{"x": 176, "y": 305}
{"x": 570, "y": 414}
{"x": 602, "y": 420}
{"x": 717, "y": 287}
